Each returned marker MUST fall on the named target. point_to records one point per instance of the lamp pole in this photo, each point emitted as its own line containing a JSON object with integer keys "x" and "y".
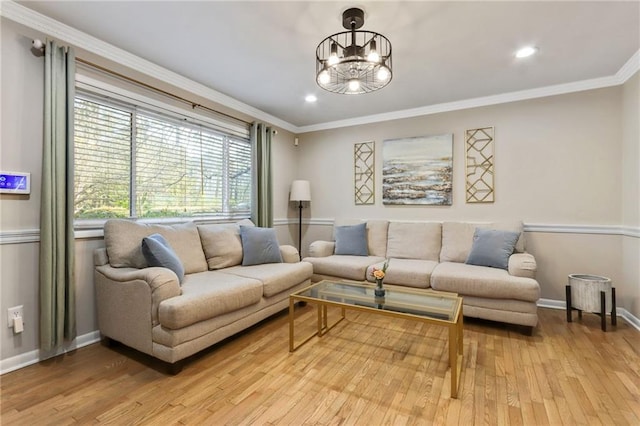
{"x": 300, "y": 229}
{"x": 300, "y": 191}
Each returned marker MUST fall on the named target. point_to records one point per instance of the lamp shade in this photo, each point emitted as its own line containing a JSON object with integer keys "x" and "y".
{"x": 300, "y": 191}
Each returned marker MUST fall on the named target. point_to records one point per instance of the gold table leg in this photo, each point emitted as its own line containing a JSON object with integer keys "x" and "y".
{"x": 456, "y": 353}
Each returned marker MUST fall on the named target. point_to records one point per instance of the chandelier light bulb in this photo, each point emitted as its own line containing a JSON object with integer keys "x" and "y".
{"x": 354, "y": 84}
{"x": 333, "y": 56}
{"x": 383, "y": 74}
{"x": 373, "y": 53}
{"x": 324, "y": 77}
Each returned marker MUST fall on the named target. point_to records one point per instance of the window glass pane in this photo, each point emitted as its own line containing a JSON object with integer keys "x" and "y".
{"x": 179, "y": 169}
{"x": 102, "y": 160}
{"x": 239, "y": 176}
{"x": 167, "y": 167}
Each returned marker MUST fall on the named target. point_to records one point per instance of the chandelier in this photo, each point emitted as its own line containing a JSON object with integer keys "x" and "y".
{"x": 353, "y": 62}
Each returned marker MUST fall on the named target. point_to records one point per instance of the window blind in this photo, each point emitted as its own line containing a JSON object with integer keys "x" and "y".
{"x": 102, "y": 158}
{"x": 133, "y": 162}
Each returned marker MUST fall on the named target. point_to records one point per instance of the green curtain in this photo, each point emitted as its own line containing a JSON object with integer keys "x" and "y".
{"x": 262, "y": 192}
{"x": 57, "y": 275}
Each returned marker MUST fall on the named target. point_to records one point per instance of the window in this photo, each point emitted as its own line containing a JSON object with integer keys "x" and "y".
{"x": 133, "y": 162}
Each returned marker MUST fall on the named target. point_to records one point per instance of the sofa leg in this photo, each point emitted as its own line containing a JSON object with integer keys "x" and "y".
{"x": 527, "y": 330}
{"x": 175, "y": 368}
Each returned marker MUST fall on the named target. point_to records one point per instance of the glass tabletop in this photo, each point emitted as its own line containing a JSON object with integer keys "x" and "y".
{"x": 427, "y": 303}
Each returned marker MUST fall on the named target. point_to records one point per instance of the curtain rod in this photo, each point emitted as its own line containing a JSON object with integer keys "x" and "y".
{"x": 155, "y": 89}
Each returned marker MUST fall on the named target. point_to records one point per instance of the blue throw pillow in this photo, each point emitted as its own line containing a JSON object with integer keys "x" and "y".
{"x": 158, "y": 252}
{"x": 259, "y": 245}
{"x": 352, "y": 240}
{"x": 492, "y": 248}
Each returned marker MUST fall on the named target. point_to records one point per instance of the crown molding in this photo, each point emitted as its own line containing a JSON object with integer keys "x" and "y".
{"x": 629, "y": 68}
{"x": 541, "y": 92}
{"x": 49, "y": 26}
{"x": 30, "y": 18}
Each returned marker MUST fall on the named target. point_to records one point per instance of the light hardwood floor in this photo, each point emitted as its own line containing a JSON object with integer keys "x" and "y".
{"x": 368, "y": 370}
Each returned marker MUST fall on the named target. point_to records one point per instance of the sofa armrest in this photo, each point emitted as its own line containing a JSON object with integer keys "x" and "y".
{"x": 522, "y": 265}
{"x": 144, "y": 288}
{"x": 289, "y": 254}
{"x": 321, "y": 248}
{"x": 159, "y": 279}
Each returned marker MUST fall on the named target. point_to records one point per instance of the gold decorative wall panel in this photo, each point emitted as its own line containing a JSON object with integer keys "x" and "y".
{"x": 480, "y": 165}
{"x": 364, "y": 172}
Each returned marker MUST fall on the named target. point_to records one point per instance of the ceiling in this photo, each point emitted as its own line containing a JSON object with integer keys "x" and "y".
{"x": 262, "y": 53}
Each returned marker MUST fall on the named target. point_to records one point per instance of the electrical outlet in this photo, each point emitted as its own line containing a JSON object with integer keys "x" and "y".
{"x": 12, "y": 313}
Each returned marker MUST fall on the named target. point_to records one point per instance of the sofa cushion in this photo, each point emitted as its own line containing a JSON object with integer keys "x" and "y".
{"x": 222, "y": 245}
{"x": 351, "y": 240}
{"x": 457, "y": 238}
{"x": 123, "y": 240}
{"x": 377, "y": 231}
{"x": 349, "y": 267}
{"x": 414, "y": 240}
{"x": 406, "y": 272}
{"x": 472, "y": 280}
{"x": 206, "y": 295}
{"x": 275, "y": 277}
{"x": 259, "y": 246}
{"x": 376, "y": 234}
{"x": 492, "y": 248}
{"x": 158, "y": 252}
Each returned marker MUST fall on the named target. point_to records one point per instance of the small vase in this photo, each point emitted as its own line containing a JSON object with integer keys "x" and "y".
{"x": 379, "y": 290}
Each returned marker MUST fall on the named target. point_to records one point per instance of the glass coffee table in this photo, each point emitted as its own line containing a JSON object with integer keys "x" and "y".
{"x": 429, "y": 306}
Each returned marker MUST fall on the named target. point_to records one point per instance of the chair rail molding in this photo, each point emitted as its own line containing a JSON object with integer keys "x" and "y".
{"x": 21, "y": 236}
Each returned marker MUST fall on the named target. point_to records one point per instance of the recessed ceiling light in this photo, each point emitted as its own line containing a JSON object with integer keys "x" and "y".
{"x": 310, "y": 98}
{"x": 526, "y": 51}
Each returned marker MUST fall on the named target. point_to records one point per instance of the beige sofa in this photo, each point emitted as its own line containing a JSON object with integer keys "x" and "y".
{"x": 433, "y": 255}
{"x": 147, "y": 308}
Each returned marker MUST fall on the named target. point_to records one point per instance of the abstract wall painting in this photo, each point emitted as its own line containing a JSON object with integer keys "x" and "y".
{"x": 479, "y": 165}
{"x": 364, "y": 172}
{"x": 418, "y": 170}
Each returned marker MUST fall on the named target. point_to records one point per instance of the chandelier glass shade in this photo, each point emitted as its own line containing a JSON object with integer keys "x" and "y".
{"x": 353, "y": 62}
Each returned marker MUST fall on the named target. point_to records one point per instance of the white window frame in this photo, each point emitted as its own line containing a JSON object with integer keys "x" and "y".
{"x": 96, "y": 90}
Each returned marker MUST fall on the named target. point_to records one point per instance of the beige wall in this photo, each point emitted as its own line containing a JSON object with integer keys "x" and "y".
{"x": 631, "y": 189}
{"x": 557, "y": 161}
{"x": 21, "y": 85}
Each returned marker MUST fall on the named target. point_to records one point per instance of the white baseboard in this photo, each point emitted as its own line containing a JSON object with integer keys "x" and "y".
{"x": 28, "y": 358}
{"x": 622, "y": 313}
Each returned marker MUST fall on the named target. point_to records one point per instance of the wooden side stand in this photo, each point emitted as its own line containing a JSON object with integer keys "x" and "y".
{"x": 603, "y": 311}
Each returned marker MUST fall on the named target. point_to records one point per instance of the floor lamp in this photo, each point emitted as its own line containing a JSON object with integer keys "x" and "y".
{"x": 300, "y": 191}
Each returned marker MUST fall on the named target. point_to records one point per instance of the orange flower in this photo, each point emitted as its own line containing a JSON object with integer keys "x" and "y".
{"x": 380, "y": 273}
